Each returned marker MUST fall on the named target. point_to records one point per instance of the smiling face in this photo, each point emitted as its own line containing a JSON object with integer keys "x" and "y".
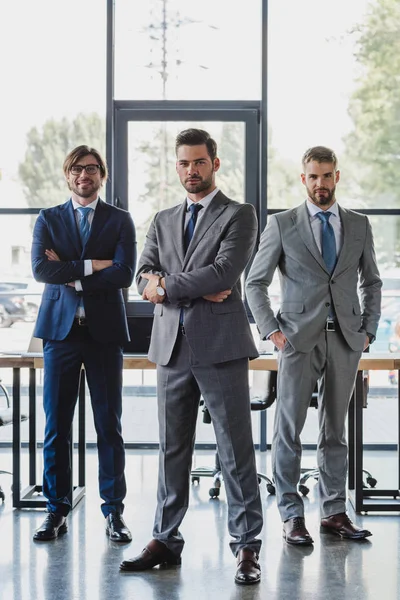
{"x": 320, "y": 180}
{"x": 84, "y": 187}
{"x": 196, "y": 170}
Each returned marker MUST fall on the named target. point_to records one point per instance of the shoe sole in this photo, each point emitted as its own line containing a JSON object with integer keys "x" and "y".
{"x": 308, "y": 543}
{"x": 343, "y": 536}
{"x": 118, "y": 540}
{"x": 240, "y": 582}
{"x": 176, "y": 563}
{"x": 63, "y": 529}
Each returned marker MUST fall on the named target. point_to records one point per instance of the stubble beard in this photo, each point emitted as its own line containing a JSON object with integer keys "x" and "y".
{"x": 198, "y": 186}
{"x": 323, "y": 200}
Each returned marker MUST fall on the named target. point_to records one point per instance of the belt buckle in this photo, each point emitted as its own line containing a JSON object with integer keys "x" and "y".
{"x": 183, "y": 332}
{"x": 330, "y": 325}
{"x": 81, "y": 321}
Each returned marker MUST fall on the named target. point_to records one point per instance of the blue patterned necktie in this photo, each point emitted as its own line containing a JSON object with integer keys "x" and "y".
{"x": 84, "y": 225}
{"x": 194, "y": 209}
{"x": 328, "y": 242}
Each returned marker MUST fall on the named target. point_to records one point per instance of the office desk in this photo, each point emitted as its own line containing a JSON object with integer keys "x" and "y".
{"x": 361, "y": 499}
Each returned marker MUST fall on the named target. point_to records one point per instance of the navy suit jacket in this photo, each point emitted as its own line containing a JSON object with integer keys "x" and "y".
{"x": 112, "y": 237}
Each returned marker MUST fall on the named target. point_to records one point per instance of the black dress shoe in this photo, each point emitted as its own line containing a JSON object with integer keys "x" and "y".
{"x": 53, "y": 526}
{"x": 155, "y": 553}
{"x": 248, "y": 569}
{"x": 116, "y": 528}
{"x": 340, "y": 524}
{"x": 295, "y": 532}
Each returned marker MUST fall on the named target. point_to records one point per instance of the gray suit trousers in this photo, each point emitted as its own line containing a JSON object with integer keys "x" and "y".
{"x": 224, "y": 386}
{"x": 334, "y": 365}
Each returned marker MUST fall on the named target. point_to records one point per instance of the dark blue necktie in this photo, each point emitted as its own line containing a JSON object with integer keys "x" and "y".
{"x": 84, "y": 225}
{"x": 194, "y": 209}
{"x": 328, "y": 242}
{"x": 189, "y": 231}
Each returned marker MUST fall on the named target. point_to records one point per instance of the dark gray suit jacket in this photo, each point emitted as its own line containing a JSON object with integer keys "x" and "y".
{"x": 222, "y": 244}
{"x": 307, "y": 288}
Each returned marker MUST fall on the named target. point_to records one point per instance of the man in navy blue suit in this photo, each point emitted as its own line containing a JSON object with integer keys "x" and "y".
{"x": 85, "y": 253}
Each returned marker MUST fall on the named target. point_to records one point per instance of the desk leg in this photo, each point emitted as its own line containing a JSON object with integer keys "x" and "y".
{"x": 32, "y": 427}
{"x": 358, "y": 444}
{"x": 16, "y": 444}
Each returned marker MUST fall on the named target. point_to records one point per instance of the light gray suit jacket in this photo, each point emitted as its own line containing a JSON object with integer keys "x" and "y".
{"x": 307, "y": 288}
{"x": 222, "y": 245}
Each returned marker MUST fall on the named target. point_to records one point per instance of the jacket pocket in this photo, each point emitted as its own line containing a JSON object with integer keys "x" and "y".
{"x": 220, "y": 308}
{"x": 294, "y": 307}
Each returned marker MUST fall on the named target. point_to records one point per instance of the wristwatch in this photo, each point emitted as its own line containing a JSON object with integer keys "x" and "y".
{"x": 159, "y": 289}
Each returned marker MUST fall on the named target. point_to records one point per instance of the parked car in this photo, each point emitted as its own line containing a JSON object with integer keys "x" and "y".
{"x": 30, "y": 289}
{"x": 14, "y": 307}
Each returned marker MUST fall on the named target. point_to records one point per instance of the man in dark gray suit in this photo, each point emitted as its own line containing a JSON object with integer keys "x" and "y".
{"x": 329, "y": 314}
{"x": 201, "y": 342}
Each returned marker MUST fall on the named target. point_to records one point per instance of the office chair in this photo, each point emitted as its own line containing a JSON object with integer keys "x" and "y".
{"x": 6, "y": 418}
{"x": 259, "y": 401}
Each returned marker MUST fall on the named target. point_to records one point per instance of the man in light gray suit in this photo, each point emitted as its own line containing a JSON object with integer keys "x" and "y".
{"x": 201, "y": 342}
{"x": 329, "y": 314}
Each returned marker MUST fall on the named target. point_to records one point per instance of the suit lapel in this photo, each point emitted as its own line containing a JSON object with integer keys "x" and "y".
{"x": 348, "y": 237}
{"x": 177, "y": 224}
{"x": 100, "y": 219}
{"x": 213, "y": 211}
{"x": 68, "y": 217}
{"x": 301, "y": 221}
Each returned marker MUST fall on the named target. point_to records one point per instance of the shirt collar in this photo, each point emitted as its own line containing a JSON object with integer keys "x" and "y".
{"x": 92, "y": 205}
{"x": 204, "y": 201}
{"x": 313, "y": 209}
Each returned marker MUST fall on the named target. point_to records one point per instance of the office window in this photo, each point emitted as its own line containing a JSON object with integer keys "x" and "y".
{"x": 177, "y": 50}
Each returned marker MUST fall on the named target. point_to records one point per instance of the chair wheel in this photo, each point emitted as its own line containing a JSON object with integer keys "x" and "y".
{"x": 214, "y": 492}
{"x": 195, "y": 479}
{"x": 271, "y": 489}
{"x": 303, "y": 489}
{"x": 372, "y": 481}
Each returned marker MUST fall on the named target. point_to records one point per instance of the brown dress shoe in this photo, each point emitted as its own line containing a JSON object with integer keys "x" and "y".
{"x": 155, "y": 553}
{"x": 295, "y": 532}
{"x": 341, "y": 525}
{"x": 248, "y": 569}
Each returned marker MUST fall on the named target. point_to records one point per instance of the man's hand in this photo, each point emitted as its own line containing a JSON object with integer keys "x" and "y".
{"x": 278, "y": 339}
{"x": 219, "y": 297}
{"x": 99, "y": 265}
{"x": 150, "y": 292}
{"x": 51, "y": 255}
{"x": 366, "y": 343}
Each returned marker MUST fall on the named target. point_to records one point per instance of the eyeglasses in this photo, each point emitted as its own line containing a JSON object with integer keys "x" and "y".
{"x": 90, "y": 169}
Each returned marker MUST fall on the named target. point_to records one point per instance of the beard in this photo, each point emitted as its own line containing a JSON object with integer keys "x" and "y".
{"x": 198, "y": 184}
{"x": 87, "y": 192}
{"x": 325, "y": 199}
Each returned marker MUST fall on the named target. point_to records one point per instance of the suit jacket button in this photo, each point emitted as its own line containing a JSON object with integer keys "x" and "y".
{"x": 327, "y": 303}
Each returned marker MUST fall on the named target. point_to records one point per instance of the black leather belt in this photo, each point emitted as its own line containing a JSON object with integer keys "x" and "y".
{"x": 331, "y": 325}
{"x": 81, "y": 321}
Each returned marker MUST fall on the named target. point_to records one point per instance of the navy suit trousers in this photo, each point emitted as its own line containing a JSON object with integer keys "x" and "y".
{"x": 103, "y": 365}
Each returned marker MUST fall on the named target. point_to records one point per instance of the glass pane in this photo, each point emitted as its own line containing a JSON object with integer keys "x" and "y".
{"x": 152, "y": 180}
{"x": 58, "y": 94}
{"x": 20, "y": 294}
{"x": 178, "y": 50}
{"x": 346, "y": 66}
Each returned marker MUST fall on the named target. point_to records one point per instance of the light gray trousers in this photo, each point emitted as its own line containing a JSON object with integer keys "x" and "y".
{"x": 225, "y": 389}
{"x": 333, "y": 365}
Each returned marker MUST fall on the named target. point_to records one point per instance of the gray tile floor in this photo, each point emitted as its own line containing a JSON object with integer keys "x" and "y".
{"x": 83, "y": 564}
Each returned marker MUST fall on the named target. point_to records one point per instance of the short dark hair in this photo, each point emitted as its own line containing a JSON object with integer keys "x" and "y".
{"x": 196, "y": 137}
{"x": 320, "y": 154}
{"x": 80, "y": 152}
